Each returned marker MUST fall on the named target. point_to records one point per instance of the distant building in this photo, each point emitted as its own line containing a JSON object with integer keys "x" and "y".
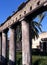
{"x": 40, "y": 42}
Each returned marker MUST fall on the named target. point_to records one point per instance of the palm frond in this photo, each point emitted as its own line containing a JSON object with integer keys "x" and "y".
{"x": 41, "y": 17}
{"x": 37, "y": 24}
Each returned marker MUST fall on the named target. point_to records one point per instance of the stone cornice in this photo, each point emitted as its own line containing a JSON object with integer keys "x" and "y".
{"x": 29, "y": 7}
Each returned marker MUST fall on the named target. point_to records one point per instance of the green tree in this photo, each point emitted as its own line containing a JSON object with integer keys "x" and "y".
{"x": 34, "y": 28}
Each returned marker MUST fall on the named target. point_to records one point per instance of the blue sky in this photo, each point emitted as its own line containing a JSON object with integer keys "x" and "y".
{"x": 8, "y": 6}
{"x": 44, "y": 22}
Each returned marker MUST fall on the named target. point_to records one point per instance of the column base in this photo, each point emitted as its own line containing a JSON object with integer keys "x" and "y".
{"x": 4, "y": 61}
{"x": 11, "y": 63}
{"x": 26, "y": 64}
{"x": 23, "y": 64}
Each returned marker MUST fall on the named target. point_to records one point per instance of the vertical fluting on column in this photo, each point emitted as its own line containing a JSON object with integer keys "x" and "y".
{"x": 0, "y": 45}
{"x": 26, "y": 57}
{"x": 12, "y": 47}
{"x": 4, "y": 43}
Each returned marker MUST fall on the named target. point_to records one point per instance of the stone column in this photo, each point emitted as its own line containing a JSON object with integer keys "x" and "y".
{"x": 26, "y": 58}
{"x": 0, "y": 45}
{"x": 4, "y": 43}
{"x": 12, "y": 47}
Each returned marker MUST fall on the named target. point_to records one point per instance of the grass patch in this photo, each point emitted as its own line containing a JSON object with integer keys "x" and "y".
{"x": 18, "y": 58}
{"x": 36, "y": 59}
{"x": 39, "y": 60}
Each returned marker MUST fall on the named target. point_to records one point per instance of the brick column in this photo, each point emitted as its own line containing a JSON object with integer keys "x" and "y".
{"x": 4, "y": 42}
{"x": 0, "y": 45}
{"x": 26, "y": 58}
{"x": 12, "y": 47}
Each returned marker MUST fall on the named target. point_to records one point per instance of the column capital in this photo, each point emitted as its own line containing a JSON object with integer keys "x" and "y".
{"x": 25, "y": 19}
{"x": 4, "y": 34}
{"x": 10, "y": 28}
{"x": 21, "y": 19}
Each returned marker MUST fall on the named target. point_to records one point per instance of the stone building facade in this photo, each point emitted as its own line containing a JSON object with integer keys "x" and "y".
{"x": 42, "y": 38}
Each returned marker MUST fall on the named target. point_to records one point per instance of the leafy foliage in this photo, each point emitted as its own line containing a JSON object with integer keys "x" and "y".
{"x": 34, "y": 25}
